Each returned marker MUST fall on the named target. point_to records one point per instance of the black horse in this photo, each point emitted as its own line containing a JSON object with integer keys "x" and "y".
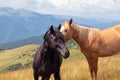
{"x": 48, "y": 58}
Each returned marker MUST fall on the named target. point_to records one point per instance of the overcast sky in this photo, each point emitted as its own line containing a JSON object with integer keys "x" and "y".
{"x": 82, "y": 8}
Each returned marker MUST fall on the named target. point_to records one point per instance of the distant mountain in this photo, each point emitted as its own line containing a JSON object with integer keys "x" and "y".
{"x": 32, "y": 40}
{"x": 23, "y": 42}
{"x": 101, "y": 24}
{"x": 18, "y": 24}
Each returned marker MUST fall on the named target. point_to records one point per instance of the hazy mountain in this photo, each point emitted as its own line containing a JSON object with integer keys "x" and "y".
{"x": 23, "y": 42}
{"x": 101, "y": 24}
{"x": 31, "y": 40}
{"x": 19, "y": 24}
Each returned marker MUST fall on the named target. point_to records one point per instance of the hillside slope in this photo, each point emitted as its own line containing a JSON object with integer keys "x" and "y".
{"x": 32, "y": 40}
{"x": 23, "y": 42}
{"x": 17, "y": 24}
{"x": 22, "y": 57}
{"x": 108, "y": 70}
{"x": 17, "y": 58}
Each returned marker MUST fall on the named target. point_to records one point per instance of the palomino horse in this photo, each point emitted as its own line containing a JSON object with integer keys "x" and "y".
{"x": 93, "y": 42}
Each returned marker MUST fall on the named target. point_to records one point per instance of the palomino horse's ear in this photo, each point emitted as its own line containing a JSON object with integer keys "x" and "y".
{"x": 59, "y": 27}
{"x": 70, "y": 21}
{"x": 51, "y": 29}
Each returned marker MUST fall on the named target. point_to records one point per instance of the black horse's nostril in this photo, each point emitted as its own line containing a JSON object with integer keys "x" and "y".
{"x": 66, "y": 55}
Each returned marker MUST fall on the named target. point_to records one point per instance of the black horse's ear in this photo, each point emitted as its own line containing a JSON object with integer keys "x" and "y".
{"x": 51, "y": 29}
{"x": 70, "y": 21}
{"x": 59, "y": 27}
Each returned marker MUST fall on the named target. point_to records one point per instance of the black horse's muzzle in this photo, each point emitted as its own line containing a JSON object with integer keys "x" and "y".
{"x": 64, "y": 52}
{"x": 66, "y": 55}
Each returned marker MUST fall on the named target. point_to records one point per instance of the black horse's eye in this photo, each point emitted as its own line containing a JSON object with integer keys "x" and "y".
{"x": 56, "y": 40}
{"x": 51, "y": 37}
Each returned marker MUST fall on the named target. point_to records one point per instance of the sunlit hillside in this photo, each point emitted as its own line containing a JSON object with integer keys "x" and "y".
{"x": 17, "y": 58}
{"x": 22, "y": 57}
{"x": 74, "y": 69}
{"x": 15, "y": 64}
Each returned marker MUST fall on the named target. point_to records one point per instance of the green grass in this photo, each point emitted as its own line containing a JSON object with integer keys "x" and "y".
{"x": 22, "y": 57}
{"x": 73, "y": 68}
{"x": 14, "y": 57}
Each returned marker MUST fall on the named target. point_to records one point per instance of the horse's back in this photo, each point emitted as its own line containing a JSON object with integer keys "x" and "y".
{"x": 112, "y": 33}
{"x": 110, "y": 40}
{"x": 117, "y": 28}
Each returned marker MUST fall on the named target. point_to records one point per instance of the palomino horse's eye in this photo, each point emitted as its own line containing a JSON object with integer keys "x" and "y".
{"x": 66, "y": 30}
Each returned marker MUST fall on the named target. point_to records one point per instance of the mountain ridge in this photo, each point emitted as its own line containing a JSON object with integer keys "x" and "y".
{"x": 15, "y": 27}
{"x": 20, "y": 24}
{"x": 19, "y": 43}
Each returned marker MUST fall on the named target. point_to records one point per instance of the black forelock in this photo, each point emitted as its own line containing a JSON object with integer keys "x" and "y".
{"x": 57, "y": 33}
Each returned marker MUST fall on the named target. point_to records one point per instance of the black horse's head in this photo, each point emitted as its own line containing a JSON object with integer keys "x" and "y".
{"x": 54, "y": 39}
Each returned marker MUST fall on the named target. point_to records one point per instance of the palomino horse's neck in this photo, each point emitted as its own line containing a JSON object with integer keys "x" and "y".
{"x": 75, "y": 29}
{"x": 80, "y": 33}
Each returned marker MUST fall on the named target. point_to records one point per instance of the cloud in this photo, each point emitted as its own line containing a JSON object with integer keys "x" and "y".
{"x": 17, "y": 3}
{"x": 84, "y": 8}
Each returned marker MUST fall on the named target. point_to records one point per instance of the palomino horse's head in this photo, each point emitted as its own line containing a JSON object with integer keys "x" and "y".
{"x": 55, "y": 41}
{"x": 67, "y": 30}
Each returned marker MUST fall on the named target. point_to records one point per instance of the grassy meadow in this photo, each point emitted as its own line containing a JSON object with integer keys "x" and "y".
{"x": 73, "y": 68}
{"x": 16, "y": 58}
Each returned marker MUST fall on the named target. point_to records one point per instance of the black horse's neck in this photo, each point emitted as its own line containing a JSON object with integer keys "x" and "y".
{"x": 47, "y": 53}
